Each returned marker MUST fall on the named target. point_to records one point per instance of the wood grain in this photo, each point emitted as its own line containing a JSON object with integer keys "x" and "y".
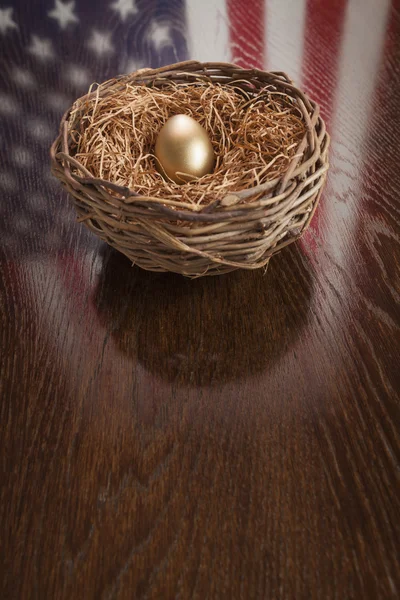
{"x": 233, "y": 437}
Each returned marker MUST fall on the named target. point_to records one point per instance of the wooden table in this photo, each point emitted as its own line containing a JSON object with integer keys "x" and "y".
{"x": 224, "y": 438}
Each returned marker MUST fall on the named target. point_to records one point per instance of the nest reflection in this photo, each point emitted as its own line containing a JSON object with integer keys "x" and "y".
{"x": 209, "y": 330}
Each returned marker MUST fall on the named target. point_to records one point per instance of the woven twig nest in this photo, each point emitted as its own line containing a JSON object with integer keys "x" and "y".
{"x": 238, "y": 216}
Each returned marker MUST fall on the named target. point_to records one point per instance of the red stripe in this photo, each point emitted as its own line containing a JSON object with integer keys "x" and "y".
{"x": 322, "y": 45}
{"x": 246, "y": 32}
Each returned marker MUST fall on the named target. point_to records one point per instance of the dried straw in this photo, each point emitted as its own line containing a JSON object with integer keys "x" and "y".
{"x": 254, "y": 139}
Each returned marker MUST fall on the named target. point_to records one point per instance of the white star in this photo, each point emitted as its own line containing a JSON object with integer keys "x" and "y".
{"x": 78, "y": 76}
{"x": 129, "y": 65}
{"x": 9, "y": 241}
{"x": 124, "y": 8}
{"x": 6, "y": 21}
{"x": 160, "y": 35}
{"x": 64, "y": 13}
{"x": 23, "y": 77}
{"x": 100, "y": 42}
{"x": 39, "y": 129}
{"x": 57, "y": 101}
{"x": 22, "y": 157}
{"x": 8, "y": 182}
{"x": 36, "y": 202}
{"x": 22, "y": 224}
{"x": 41, "y": 48}
{"x": 8, "y": 106}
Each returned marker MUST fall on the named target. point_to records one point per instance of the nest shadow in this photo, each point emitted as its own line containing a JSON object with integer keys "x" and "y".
{"x": 206, "y": 331}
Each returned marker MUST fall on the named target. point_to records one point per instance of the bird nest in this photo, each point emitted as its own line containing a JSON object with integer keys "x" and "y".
{"x": 270, "y": 146}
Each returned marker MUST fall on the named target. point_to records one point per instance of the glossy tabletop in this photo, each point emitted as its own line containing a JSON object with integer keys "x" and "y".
{"x": 233, "y": 437}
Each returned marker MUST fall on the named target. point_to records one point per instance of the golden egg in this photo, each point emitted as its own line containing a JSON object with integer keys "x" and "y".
{"x": 183, "y": 146}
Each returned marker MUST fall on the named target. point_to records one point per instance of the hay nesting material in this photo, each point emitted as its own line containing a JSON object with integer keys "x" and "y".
{"x": 254, "y": 139}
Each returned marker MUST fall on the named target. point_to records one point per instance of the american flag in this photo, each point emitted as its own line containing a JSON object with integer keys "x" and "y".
{"x": 52, "y": 50}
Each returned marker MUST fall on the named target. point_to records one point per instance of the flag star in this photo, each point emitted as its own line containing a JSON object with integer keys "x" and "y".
{"x": 6, "y": 20}
{"x": 63, "y": 13}
{"x": 8, "y": 106}
{"x": 22, "y": 225}
{"x": 39, "y": 129}
{"x": 160, "y": 35}
{"x": 9, "y": 241}
{"x": 100, "y": 42}
{"x": 36, "y": 202}
{"x": 124, "y": 8}
{"x": 78, "y": 76}
{"x": 23, "y": 77}
{"x": 41, "y": 48}
{"x": 130, "y": 65}
{"x": 8, "y": 182}
{"x": 57, "y": 101}
{"x": 22, "y": 157}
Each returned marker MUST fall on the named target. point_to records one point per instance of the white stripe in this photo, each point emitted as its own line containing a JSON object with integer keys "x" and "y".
{"x": 361, "y": 52}
{"x": 208, "y": 31}
{"x": 284, "y": 30}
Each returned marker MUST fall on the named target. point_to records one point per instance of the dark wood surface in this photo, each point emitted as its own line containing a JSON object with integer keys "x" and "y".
{"x": 224, "y": 438}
